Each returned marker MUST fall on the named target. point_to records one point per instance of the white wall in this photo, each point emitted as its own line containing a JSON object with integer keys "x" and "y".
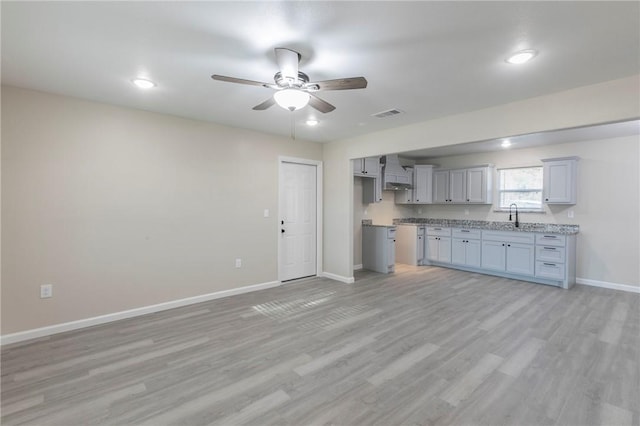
{"x": 120, "y": 208}
{"x": 605, "y": 102}
{"x": 608, "y": 207}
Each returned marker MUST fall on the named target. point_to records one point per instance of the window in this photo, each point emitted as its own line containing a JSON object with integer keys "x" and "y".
{"x": 522, "y": 186}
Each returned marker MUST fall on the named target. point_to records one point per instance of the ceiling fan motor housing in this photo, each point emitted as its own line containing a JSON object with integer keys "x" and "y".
{"x": 303, "y": 79}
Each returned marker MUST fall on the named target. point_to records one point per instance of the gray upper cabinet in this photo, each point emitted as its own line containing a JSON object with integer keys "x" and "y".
{"x": 458, "y": 186}
{"x": 479, "y": 185}
{"x": 441, "y": 186}
{"x": 463, "y": 186}
{"x": 422, "y": 177}
{"x": 560, "y": 180}
{"x": 372, "y": 188}
{"x": 366, "y": 167}
{"x": 422, "y": 184}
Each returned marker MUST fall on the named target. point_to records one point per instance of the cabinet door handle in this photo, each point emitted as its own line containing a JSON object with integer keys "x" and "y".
{"x": 282, "y": 231}
{"x": 549, "y": 248}
{"x": 550, "y": 264}
{"x": 553, "y": 237}
{"x": 508, "y": 245}
{"x": 282, "y": 222}
{"x": 502, "y": 245}
{"x": 464, "y": 230}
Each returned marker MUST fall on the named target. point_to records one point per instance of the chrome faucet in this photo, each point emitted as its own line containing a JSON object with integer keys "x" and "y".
{"x": 517, "y": 223}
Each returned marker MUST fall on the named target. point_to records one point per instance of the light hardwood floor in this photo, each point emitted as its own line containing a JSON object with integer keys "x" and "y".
{"x": 424, "y": 346}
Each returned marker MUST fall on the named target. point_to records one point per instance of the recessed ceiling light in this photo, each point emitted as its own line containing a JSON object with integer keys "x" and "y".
{"x": 143, "y": 83}
{"x": 506, "y": 143}
{"x": 312, "y": 122}
{"x": 522, "y": 56}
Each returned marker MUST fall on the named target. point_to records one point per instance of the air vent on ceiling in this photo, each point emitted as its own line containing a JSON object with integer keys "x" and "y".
{"x": 387, "y": 113}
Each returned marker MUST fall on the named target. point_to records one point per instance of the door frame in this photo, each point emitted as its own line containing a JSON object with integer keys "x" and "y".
{"x": 318, "y": 165}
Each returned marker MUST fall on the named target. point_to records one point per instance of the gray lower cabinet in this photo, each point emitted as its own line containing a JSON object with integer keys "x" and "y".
{"x": 511, "y": 252}
{"x": 466, "y": 247}
{"x": 541, "y": 258}
{"x": 438, "y": 244}
{"x": 555, "y": 257}
{"x": 379, "y": 248}
{"x": 520, "y": 258}
{"x": 494, "y": 255}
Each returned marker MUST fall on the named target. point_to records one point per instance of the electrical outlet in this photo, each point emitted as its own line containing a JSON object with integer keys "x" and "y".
{"x": 419, "y": 211}
{"x": 46, "y": 291}
{"x": 238, "y": 263}
{"x": 466, "y": 212}
{"x": 266, "y": 213}
{"x": 570, "y": 214}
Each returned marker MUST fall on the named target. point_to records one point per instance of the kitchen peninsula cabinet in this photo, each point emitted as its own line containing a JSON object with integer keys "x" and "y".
{"x": 410, "y": 244}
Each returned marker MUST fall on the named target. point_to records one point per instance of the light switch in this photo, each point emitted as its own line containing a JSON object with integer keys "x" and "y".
{"x": 266, "y": 213}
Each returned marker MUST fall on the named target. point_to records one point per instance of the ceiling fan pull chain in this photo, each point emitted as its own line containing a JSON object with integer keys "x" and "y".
{"x": 293, "y": 127}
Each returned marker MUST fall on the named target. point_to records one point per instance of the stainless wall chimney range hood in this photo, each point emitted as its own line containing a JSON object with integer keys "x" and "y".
{"x": 394, "y": 176}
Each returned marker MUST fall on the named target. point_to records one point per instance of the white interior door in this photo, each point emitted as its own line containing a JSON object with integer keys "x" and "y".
{"x": 298, "y": 221}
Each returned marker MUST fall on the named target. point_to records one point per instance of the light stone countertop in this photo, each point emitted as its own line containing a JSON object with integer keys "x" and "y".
{"x": 546, "y": 228}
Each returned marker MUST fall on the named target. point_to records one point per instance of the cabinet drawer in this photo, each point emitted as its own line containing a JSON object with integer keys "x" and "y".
{"x": 473, "y": 234}
{"x": 550, "y": 253}
{"x": 438, "y": 231}
{"x": 420, "y": 231}
{"x": 554, "y": 271}
{"x": 509, "y": 236}
{"x": 551, "y": 240}
{"x": 391, "y": 232}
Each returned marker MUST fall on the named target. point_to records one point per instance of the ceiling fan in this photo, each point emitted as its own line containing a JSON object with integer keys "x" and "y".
{"x": 293, "y": 88}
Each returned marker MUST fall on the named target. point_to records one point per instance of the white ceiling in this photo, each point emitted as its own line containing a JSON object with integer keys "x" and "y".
{"x": 428, "y": 59}
{"x": 577, "y": 134}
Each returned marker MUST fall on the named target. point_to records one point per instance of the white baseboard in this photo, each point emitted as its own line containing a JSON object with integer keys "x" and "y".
{"x": 605, "y": 284}
{"x": 102, "y": 319}
{"x": 346, "y": 280}
{"x": 357, "y": 267}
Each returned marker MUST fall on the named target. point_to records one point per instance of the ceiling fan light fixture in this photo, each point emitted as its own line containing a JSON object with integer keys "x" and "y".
{"x": 291, "y": 99}
{"x": 522, "y": 56}
{"x": 312, "y": 122}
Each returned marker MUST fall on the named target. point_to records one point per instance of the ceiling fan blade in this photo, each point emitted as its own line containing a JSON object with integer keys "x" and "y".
{"x": 341, "y": 84}
{"x": 239, "y": 80}
{"x": 288, "y": 60}
{"x": 266, "y": 104}
{"x": 319, "y": 104}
